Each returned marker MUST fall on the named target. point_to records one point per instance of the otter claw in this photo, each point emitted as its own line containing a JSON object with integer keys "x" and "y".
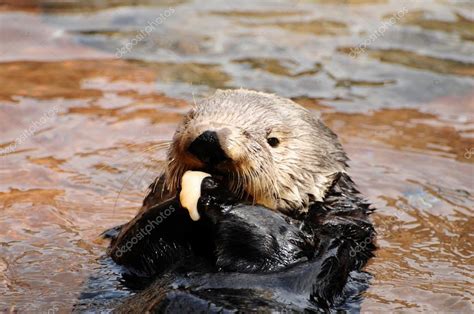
{"x": 191, "y": 191}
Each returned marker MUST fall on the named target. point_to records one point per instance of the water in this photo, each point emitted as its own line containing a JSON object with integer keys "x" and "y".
{"x": 89, "y": 96}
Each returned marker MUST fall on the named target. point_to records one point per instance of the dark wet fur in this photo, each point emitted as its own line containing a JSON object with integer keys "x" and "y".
{"x": 247, "y": 258}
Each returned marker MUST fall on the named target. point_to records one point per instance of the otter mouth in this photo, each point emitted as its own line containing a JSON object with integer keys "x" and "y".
{"x": 211, "y": 169}
{"x": 206, "y": 149}
{"x": 205, "y": 153}
{"x": 227, "y": 179}
{"x": 216, "y": 174}
{"x": 193, "y": 186}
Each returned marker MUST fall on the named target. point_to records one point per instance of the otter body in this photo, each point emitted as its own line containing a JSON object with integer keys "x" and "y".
{"x": 282, "y": 225}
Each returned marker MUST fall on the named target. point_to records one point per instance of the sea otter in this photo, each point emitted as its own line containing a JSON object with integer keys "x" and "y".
{"x": 280, "y": 224}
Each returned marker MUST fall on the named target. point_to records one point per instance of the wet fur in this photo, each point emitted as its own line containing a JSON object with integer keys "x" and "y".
{"x": 309, "y": 240}
{"x": 252, "y": 258}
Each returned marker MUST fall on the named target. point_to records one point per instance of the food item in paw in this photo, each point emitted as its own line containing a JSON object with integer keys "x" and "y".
{"x": 191, "y": 191}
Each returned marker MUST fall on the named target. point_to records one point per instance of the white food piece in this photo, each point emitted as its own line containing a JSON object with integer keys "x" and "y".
{"x": 191, "y": 191}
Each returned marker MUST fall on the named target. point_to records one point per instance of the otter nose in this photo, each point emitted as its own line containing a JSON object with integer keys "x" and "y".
{"x": 206, "y": 148}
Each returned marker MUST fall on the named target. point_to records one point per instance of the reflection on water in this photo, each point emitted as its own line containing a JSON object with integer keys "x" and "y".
{"x": 403, "y": 107}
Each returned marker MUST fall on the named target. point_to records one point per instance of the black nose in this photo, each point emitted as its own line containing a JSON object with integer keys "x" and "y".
{"x": 206, "y": 148}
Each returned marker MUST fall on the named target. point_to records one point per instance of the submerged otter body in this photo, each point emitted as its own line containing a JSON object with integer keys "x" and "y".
{"x": 282, "y": 224}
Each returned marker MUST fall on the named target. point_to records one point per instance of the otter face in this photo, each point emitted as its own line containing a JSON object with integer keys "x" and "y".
{"x": 267, "y": 149}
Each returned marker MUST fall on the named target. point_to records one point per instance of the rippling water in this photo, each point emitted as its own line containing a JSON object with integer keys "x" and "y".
{"x": 90, "y": 94}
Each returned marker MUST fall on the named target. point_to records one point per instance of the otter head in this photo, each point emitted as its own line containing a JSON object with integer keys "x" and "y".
{"x": 267, "y": 149}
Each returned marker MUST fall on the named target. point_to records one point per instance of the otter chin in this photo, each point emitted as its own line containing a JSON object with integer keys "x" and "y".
{"x": 254, "y": 203}
{"x": 268, "y": 149}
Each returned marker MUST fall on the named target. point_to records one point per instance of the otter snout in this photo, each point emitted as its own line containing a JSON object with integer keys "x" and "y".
{"x": 207, "y": 148}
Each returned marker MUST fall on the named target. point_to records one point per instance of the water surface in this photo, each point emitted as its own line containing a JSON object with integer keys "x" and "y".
{"x": 84, "y": 124}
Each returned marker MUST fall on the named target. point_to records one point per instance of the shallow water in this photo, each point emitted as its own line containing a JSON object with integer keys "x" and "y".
{"x": 83, "y": 131}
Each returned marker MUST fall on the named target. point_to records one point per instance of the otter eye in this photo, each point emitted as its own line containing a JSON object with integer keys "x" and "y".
{"x": 273, "y": 141}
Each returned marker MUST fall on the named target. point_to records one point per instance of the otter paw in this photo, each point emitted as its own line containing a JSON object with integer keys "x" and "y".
{"x": 202, "y": 194}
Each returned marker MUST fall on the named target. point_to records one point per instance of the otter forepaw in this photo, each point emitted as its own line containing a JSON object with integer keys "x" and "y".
{"x": 201, "y": 194}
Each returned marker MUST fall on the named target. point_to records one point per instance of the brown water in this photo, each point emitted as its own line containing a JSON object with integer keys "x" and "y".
{"x": 82, "y": 131}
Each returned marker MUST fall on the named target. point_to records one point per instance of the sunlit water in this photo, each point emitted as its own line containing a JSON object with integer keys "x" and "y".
{"x": 90, "y": 94}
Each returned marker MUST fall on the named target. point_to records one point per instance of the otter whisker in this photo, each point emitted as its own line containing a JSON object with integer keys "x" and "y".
{"x": 239, "y": 186}
{"x": 163, "y": 144}
{"x": 167, "y": 143}
{"x": 239, "y": 180}
{"x": 157, "y": 146}
{"x": 125, "y": 183}
{"x": 232, "y": 185}
{"x": 252, "y": 183}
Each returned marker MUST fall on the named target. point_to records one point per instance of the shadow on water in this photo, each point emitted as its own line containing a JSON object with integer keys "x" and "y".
{"x": 90, "y": 93}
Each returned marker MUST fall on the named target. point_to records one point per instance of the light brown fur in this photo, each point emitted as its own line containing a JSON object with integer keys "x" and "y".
{"x": 288, "y": 177}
